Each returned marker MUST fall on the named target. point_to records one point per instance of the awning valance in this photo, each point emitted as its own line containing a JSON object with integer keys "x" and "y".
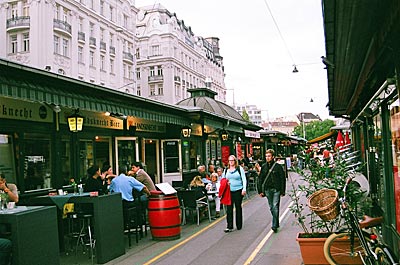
{"x": 86, "y": 97}
{"x": 322, "y": 137}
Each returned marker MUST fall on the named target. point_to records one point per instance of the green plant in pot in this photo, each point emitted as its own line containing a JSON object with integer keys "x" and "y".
{"x": 320, "y": 185}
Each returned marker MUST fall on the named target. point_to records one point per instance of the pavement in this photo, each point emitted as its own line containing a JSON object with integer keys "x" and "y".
{"x": 254, "y": 244}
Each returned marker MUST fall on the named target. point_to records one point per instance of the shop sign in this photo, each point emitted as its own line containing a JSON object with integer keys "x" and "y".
{"x": 251, "y": 134}
{"x": 146, "y": 125}
{"x": 24, "y": 110}
{"x": 96, "y": 119}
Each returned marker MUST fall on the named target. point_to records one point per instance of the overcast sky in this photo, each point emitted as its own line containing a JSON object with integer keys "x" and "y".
{"x": 258, "y": 61}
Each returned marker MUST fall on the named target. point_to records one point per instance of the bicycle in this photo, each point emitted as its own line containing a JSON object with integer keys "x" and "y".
{"x": 357, "y": 244}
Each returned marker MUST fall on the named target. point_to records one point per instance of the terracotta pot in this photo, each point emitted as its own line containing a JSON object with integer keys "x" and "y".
{"x": 312, "y": 250}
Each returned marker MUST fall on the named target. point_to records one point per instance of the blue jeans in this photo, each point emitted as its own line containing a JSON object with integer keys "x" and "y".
{"x": 274, "y": 199}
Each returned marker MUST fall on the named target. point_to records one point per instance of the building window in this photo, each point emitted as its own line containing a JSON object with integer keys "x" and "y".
{"x": 152, "y": 73}
{"x": 65, "y": 15}
{"x": 125, "y": 21}
{"x": 14, "y": 11}
{"x": 137, "y": 54}
{"x": 25, "y": 40}
{"x": 102, "y": 8}
{"x": 111, "y": 40}
{"x": 65, "y": 47}
{"x": 111, "y": 13}
{"x": 159, "y": 70}
{"x": 101, "y": 34}
{"x": 155, "y": 50}
{"x": 102, "y": 64}
{"x": 91, "y": 58}
{"x": 137, "y": 73}
{"x": 14, "y": 44}
{"x": 130, "y": 72}
{"x": 138, "y": 91}
{"x": 80, "y": 54}
{"x": 80, "y": 24}
{"x": 112, "y": 66}
{"x": 56, "y": 45}
{"x": 124, "y": 70}
{"x": 152, "y": 90}
{"x": 25, "y": 8}
{"x": 160, "y": 90}
{"x": 91, "y": 29}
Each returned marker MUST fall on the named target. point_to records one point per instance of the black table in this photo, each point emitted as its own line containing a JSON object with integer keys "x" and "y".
{"x": 33, "y": 232}
{"x": 107, "y": 216}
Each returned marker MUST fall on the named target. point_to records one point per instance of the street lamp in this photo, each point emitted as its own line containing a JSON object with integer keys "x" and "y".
{"x": 304, "y": 127}
{"x": 186, "y": 131}
{"x": 224, "y": 135}
{"x": 75, "y": 122}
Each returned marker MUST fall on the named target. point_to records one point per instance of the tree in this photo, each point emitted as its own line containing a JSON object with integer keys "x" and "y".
{"x": 314, "y": 129}
{"x": 245, "y": 115}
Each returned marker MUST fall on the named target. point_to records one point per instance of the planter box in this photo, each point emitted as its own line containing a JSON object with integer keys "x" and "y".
{"x": 312, "y": 250}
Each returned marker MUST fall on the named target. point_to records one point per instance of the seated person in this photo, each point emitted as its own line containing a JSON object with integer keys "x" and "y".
{"x": 125, "y": 184}
{"x": 94, "y": 181}
{"x": 141, "y": 175}
{"x": 107, "y": 174}
{"x": 214, "y": 186}
{"x": 203, "y": 174}
{"x": 198, "y": 185}
{"x": 9, "y": 189}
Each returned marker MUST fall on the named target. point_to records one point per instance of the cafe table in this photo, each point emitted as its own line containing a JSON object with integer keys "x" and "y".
{"x": 33, "y": 233}
{"x": 107, "y": 217}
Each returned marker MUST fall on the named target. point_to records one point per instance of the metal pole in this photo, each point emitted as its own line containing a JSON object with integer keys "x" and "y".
{"x": 304, "y": 127}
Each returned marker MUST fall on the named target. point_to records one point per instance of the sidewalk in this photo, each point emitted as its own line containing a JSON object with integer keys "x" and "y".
{"x": 274, "y": 248}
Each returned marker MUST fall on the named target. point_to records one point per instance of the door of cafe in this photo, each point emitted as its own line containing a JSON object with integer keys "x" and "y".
{"x": 126, "y": 151}
{"x": 171, "y": 158}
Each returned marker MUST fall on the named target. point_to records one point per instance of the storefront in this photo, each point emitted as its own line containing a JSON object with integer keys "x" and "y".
{"x": 363, "y": 87}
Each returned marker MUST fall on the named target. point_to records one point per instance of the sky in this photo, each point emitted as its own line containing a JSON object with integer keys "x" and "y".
{"x": 259, "y": 54}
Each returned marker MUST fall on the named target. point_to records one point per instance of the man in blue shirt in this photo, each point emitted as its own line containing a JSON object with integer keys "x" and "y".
{"x": 125, "y": 186}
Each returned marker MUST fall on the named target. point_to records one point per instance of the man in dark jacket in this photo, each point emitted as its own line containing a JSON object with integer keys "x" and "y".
{"x": 272, "y": 184}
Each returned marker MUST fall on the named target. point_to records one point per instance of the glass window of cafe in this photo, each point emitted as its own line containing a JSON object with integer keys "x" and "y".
{"x": 191, "y": 154}
{"x": 394, "y": 109}
{"x": 7, "y": 161}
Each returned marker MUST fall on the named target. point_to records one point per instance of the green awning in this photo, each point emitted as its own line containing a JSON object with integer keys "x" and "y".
{"x": 78, "y": 94}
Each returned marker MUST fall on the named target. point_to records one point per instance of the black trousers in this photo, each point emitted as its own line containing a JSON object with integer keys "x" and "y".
{"x": 236, "y": 200}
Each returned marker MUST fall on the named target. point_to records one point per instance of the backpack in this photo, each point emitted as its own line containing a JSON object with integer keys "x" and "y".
{"x": 237, "y": 168}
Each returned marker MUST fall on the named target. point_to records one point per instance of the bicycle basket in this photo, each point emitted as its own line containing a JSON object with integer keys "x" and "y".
{"x": 324, "y": 203}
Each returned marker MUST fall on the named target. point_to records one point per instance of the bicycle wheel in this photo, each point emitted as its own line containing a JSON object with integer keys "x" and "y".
{"x": 338, "y": 250}
{"x": 385, "y": 255}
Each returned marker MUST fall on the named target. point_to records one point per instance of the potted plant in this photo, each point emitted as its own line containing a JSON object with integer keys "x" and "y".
{"x": 319, "y": 180}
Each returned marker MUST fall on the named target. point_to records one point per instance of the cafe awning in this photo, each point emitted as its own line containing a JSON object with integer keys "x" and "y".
{"x": 322, "y": 137}
{"x": 21, "y": 82}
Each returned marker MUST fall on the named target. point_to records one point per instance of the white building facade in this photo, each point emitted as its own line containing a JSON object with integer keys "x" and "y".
{"x": 88, "y": 40}
{"x": 252, "y": 110}
{"x": 171, "y": 59}
{"x": 110, "y": 43}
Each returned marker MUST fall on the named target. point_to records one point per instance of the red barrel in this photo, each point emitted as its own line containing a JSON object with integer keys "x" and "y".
{"x": 164, "y": 216}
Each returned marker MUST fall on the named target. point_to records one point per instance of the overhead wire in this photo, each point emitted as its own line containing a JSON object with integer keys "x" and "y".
{"x": 280, "y": 33}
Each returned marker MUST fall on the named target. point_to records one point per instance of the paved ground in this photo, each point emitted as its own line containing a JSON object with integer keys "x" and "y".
{"x": 207, "y": 243}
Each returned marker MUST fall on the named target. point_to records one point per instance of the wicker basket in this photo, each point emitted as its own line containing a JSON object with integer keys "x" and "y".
{"x": 324, "y": 203}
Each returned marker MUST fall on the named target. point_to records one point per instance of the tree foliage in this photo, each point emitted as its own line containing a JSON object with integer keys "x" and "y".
{"x": 314, "y": 129}
{"x": 245, "y": 115}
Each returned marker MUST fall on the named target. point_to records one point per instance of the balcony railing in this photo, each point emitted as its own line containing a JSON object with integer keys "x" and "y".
{"x": 81, "y": 36}
{"x": 62, "y": 25}
{"x": 102, "y": 45}
{"x": 156, "y": 78}
{"x": 18, "y": 22}
{"x": 112, "y": 50}
{"x": 128, "y": 56}
{"x": 92, "y": 41}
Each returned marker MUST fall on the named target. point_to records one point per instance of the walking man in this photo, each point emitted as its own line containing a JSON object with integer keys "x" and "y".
{"x": 272, "y": 184}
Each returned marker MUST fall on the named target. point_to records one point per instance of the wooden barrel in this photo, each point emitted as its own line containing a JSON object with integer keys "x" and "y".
{"x": 164, "y": 216}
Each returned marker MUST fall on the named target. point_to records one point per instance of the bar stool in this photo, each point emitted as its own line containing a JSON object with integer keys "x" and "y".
{"x": 80, "y": 232}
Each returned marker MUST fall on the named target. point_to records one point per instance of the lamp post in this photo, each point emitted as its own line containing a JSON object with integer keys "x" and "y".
{"x": 304, "y": 127}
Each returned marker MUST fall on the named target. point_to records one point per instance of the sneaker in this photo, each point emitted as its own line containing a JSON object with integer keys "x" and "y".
{"x": 227, "y": 230}
{"x": 275, "y": 230}
{"x": 217, "y": 215}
